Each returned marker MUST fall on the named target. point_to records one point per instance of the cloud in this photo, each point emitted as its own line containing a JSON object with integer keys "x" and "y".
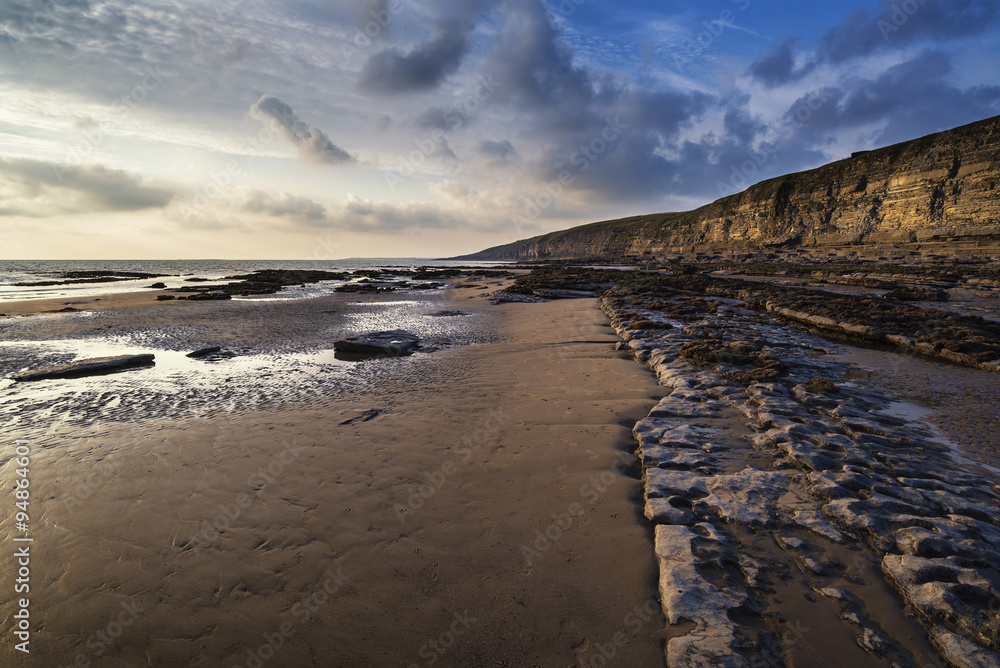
{"x": 895, "y": 25}
{"x": 910, "y": 99}
{"x": 312, "y": 143}
{"x": 41, "y": 189}
{"x": 777, "y": 67}
{"x": 424, "y": 67}
{"x": 355, "y": 214}
{"x": 436, "y": 118}
{"x": 285, "y": 205}
{"x": 496, "y": 154}
{"x": 535, "y": 70}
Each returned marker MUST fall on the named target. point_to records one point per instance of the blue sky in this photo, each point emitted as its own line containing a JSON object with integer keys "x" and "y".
{"x": 339, "y": 128}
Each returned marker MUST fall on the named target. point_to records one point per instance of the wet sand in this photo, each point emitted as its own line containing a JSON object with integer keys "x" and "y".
{"x": 297, "y": 537}
{"x": 118, "y": 300}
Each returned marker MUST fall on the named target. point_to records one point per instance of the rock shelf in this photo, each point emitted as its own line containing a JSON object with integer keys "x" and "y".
{"x": 763, "y": 461}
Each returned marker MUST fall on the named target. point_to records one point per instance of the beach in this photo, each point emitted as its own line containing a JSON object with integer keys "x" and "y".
{"x": 487, "y": 515}
{"x": 577, "y": 467}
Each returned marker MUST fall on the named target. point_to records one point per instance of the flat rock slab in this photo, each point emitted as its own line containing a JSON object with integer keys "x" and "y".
{"x": 88, "y": 367}
{"x": 394, "y": 343}
{"x": 204, "y": 352}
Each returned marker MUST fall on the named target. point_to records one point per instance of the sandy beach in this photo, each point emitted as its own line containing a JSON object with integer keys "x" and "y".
{"x": 644, "y": 479}
{"x": 489, "y": 515}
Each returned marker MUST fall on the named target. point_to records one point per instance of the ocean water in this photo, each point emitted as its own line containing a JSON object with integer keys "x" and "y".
{"x": 176, "y": 273}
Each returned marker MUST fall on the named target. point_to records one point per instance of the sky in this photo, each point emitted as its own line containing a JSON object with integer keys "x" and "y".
{"x": 323, "y": 129}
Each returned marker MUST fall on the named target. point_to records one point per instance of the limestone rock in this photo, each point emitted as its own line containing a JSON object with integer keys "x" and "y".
{"x": 88, "y": 367}
{"x": 394, "y": 343}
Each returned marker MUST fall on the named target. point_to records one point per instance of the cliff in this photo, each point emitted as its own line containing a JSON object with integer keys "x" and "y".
{"x": 941, "y": 188}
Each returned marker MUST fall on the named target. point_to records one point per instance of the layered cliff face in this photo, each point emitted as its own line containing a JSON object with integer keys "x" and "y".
{"x": 939, "y": 188}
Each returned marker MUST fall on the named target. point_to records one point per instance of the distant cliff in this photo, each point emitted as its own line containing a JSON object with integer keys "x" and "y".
{"x": 939, "y": 188}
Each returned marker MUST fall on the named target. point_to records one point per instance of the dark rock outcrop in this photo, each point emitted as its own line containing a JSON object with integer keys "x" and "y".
{"x": 88, "y": 367}
{"x": 394, "y": 343}
{"x": 203, "y": 352}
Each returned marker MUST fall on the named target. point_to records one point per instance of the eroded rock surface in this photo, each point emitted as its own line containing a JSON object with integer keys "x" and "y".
{"x": 752, "y": 476}
{"x": 393, "y": 343}
{"x": 88, "y": 367}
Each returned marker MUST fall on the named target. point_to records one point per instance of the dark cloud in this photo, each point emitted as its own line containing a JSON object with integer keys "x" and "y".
{"x": 739, "y": 124}
{"x": 422, "y": 68}
{"x": 777, "y": 67}
{"x": 912, "y": 99}
{"x": 311, "y": 142}
{"x": 895, "y": 24}
{"x": 285, "y": 205}
{"x": 535, "y": 71}
{"x": 437, "y": 118}
{"x": 40, "y": 189}
{"x": 496, "y": 154}
{"x": 898, "y": 23}
{"x": 355, "y": 214}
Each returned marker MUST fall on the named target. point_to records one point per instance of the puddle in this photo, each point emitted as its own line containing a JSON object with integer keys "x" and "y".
{"x": 907, "y": 410}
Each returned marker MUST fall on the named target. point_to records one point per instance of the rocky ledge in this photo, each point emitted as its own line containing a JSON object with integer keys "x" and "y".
{"x": 88, "y": 367}
{"x": 770, "y": 479}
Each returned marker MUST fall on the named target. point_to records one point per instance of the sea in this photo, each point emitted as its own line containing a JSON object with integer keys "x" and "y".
{"x": 180, "y": 272}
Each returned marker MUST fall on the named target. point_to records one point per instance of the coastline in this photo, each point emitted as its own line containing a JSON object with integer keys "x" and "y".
{"x": 323, "y": 515}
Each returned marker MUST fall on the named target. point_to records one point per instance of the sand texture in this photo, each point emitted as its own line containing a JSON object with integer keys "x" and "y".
{"x": 405, "y": 524}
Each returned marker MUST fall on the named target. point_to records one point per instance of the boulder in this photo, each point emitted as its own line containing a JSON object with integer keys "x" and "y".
{"x": 394, "y": 343}
{"x": 202, "y": 352}
{"x": 209, "y": 296}
{"x": 88, "y": 367}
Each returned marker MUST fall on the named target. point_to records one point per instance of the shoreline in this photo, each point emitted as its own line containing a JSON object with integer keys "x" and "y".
{"x": 129, "y": 521}
{"x": 487, "y": 501}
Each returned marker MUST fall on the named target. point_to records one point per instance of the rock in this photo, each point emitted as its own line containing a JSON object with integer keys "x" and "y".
{"x": 504, "y": 297}
{"x": 209, "y": 296}
{"x": 820, "y": 385}
{"x": 565, "y": 294}
{"x": 446, "y": 314}
{"x": 202, "y": 352}
{"x": 686, "y": 595}
{"x": 964, "y": 653}
{"x": 88, "y": 367}
{"x": 163, "y": 298}
{"x": 364, "y": 416}
{"x": 946, "y": 590}
{"x": 394, "y": 343}
{"x": 158, "y": 286}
